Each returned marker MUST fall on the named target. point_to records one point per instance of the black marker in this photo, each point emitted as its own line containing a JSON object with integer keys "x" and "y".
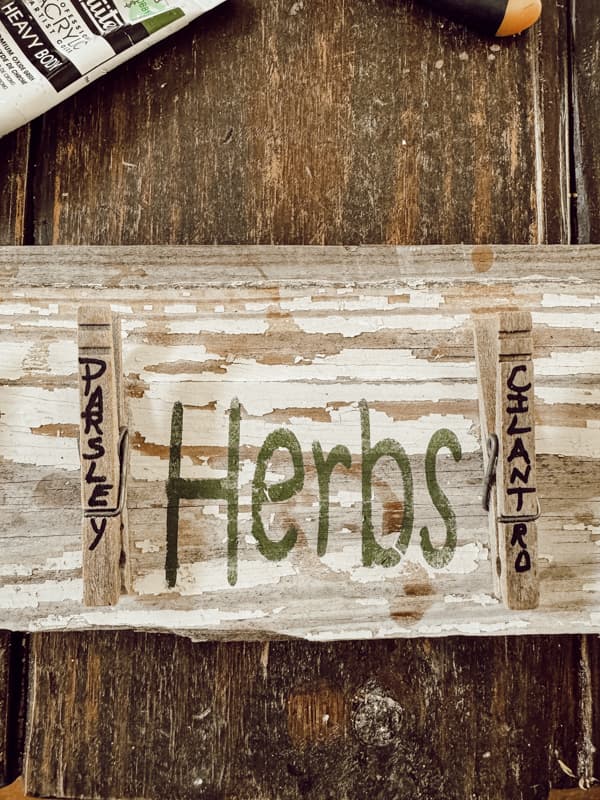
{"x": 491, "y": 17}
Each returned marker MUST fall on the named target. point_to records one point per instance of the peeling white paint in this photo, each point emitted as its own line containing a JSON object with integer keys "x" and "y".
{"x": 567, "y": 395}
{"x": 476, "y": 628}
{"x": 200, "y": 325}
{"x": 371, "y": 602}
{"x": 211, "y": 576}
{"x": 31, "y": 595}
{"x": 146, "y": 546}
{"x": 340, "y": 634}
{"x": 26, "y": 309}
{"x": 65, "y": 324}
{"x": 562, "y": 320}
{"x": 157, "y": 618}
{"x": 550, "y": 300}
{"x": 181, "y": 308}
{"x": 351, "y": 326}
{"x": 478, "y": 599}
{"x": 130, "y": 325}
{"x": 411, "y": 299}
{"x": 576, "y": 442}
{"x": 141, "y": 358}
{"x": 121, "y": 308}
{"x": 569, "y": 363}
{"x": 25, "y": 409}
{"x": 208, "y": 428}
{"x": 467, "y": 558}
{"x": 62, "y": 358}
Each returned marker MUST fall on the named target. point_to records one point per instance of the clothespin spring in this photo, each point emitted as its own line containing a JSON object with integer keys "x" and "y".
{"x": 123, "y": 467}
{"x": 489, "y": 479}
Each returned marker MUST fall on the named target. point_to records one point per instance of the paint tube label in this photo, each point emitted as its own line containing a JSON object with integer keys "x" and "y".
{"x": 51, "y": 48}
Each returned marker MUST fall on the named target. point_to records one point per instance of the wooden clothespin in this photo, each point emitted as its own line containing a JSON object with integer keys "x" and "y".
{"x": 103, "y": 454}
{"x": 503, "y": 345}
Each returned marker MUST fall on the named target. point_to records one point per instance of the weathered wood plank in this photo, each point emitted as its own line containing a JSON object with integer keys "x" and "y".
{"x": 256, "y": 721}
{"x": 12, "y": 704}
{"x": 585, "y": 32}
{"x": 5, "y": 652}
{"x": 320, "y": 123}
{"x": 14, "y": 152}
{"x": 334, "y": 352}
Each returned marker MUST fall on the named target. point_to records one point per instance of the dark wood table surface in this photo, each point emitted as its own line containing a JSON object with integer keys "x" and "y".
{"x": 312, "y": 122}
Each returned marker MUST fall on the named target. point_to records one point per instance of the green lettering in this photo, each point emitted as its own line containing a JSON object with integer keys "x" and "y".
{"x": 277, "y": 493}
{"x": 372, "y": 551}
{"x": 325, "y": 466}
{"x": 207, "y": 488}
{"x": 172, "y": 559}
{"x": 439, "y": 557}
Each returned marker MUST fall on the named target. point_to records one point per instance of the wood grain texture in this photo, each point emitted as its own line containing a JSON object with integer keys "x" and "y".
{"x": 13, "y": 668}
{"x": 315, "y": 123}
{"x": 5, "y": 654}
{"x": 585, "y": 33}
{"x": 413, "y": 719}
{"x": 14, "y": 154}
{"x": 301, "y": 338}
{"x": 212, "y": 157}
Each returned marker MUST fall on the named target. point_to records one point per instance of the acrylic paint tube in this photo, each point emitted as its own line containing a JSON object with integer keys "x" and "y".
{"x": 49, "y": 49}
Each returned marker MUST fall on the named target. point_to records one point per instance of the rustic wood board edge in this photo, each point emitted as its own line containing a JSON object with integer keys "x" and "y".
{"x": 180, "y": 266}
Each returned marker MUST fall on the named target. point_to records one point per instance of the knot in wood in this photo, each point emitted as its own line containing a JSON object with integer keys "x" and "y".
{"x": 376, "y": 717}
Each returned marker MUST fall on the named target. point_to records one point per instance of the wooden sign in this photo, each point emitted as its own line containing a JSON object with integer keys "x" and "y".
{"x": 306, "y": 441}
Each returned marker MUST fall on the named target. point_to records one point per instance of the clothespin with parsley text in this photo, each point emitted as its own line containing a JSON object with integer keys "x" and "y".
{"x": 103, "y": 454}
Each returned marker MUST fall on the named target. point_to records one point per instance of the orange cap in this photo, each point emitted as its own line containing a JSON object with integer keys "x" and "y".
{"x": 520, "y": 14}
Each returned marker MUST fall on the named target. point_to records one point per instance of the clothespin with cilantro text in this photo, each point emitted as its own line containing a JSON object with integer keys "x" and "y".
{"x": 103, "y": 454}
{"x": 503, "y": 344}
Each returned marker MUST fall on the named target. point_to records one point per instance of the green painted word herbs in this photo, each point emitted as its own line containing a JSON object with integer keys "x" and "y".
{"x": 226, "y": 489}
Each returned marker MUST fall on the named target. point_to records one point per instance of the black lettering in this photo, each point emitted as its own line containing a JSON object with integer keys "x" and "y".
{"x": 519, "y": 451}
{"x": 522, "y": 404}
{"x": 513, "y": 428}
{"x": 519, "y": 531}
{"x": 99, "y": 491}
{"x": 520, "y": 491}
{"x": 517, "y": 475}
{"x": 91, "y": 477}
{"x": 88, "y": 376}
{"x": 93, "y": 414}
{"x": 95, "y": 443}
{"x": 99, "y": 531}
{"x": 523, "y": 561}
{"x": 511, "y": 380}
